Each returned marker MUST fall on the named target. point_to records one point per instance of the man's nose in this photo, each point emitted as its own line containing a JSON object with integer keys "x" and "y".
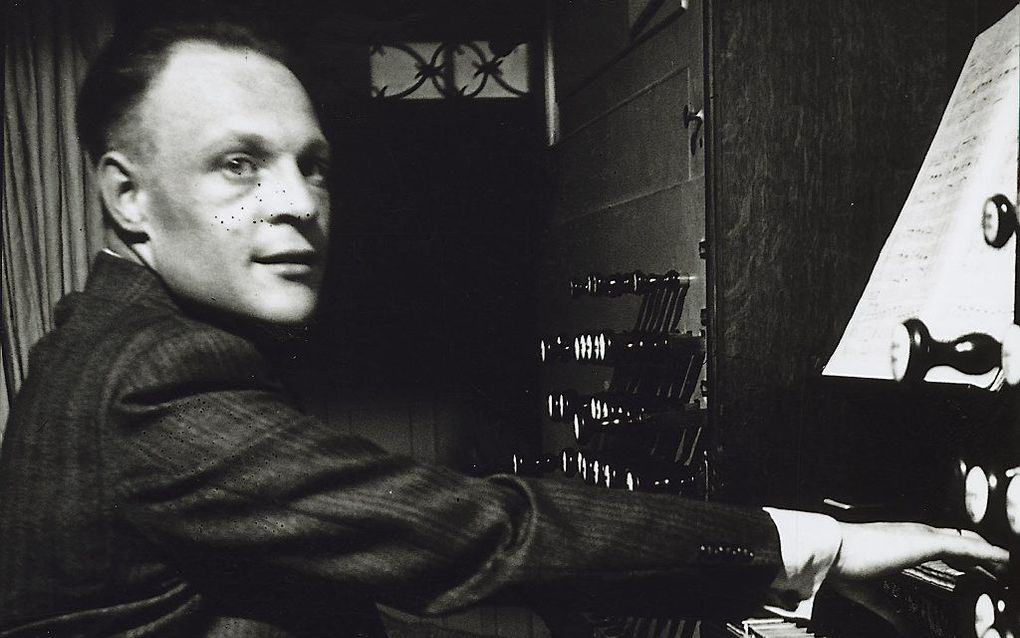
{"x": 289, "y": 196}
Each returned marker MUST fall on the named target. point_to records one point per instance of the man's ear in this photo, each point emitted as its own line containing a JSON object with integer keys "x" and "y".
{"x": 122, "y": 195}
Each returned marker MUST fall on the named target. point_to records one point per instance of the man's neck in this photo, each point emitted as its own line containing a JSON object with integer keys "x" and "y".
{"x": 118, "y": 248}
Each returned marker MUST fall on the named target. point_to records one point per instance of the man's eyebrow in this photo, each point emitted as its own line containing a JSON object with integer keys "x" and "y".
{"x": 232, "y": 139}
{"x": 317, "y": 146}
{"x": 253, "y": 141}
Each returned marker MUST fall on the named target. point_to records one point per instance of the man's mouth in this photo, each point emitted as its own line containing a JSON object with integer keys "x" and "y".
{"x": 293, "y": 263}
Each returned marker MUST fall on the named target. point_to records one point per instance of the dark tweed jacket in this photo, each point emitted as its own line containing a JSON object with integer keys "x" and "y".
{"x": 156, "y": 480}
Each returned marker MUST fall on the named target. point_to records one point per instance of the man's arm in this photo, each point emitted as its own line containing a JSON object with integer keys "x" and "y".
{"x": 216, "y": 467}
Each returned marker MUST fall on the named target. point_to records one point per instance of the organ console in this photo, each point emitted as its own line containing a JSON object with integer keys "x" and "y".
{"x": 938, "y": 600}
{"x": 642, "y": 432}
{"x": 912, "y": 433}
{"x": 935, "y": 599}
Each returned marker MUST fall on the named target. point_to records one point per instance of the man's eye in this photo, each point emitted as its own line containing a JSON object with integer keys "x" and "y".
{"x": 316, "y": 171}
{"x": 240, "y": 166}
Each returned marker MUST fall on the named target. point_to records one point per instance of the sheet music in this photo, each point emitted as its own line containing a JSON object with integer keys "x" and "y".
{"x": 935, "y": 264}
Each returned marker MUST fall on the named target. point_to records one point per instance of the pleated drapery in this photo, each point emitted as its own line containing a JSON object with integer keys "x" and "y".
{"x": 51, "y": 221}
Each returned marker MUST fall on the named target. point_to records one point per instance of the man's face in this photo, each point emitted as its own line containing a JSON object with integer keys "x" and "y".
{"x": 232, "y": 179}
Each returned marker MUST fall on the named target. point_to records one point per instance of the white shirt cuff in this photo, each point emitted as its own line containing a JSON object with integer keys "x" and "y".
{"x": 809, "y": 544}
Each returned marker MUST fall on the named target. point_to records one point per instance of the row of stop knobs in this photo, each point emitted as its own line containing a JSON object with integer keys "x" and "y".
{"x": 632, "y": 283}
{"x": 990, "y": 492}
{"x": 610, "y": 348}
{"x": 991, "y": 504}
{"x": 612, "y": 470}
{"x": 663, "y": 407}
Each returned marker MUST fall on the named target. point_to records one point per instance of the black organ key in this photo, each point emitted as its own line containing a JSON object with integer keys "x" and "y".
{"x": 914, "y": 352}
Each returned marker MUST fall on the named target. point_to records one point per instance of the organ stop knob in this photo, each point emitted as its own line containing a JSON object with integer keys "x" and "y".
{"x": 914, "y": 352}
{"x": 998, "y": 220}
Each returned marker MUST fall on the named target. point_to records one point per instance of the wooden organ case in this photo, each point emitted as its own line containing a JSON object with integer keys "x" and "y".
{"x": 761, "y": 151}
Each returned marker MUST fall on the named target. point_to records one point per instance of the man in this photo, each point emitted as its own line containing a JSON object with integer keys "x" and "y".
{"x": 155, "y": 479}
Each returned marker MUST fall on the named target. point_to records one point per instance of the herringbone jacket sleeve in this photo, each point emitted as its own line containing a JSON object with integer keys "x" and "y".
{"x": 215, "y": 467}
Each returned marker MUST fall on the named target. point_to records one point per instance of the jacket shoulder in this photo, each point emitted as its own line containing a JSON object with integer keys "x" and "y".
{"x": 177, "y": 350}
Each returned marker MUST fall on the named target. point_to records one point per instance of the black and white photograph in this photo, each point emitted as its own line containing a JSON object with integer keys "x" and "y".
{"x": 510, "y": 319}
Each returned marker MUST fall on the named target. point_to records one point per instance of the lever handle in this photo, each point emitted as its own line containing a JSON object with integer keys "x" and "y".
{"x": 697, "y": 118}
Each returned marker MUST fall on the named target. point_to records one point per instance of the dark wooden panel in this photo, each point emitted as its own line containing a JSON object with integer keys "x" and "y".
{"x": 631, "y": 152}
{"x": 822, "y": 114}
{"x": 674, "y": 47}
{"x": 647, "y": 15}
{"x": 588, "y": 35}
{"x": 653, "y": 233}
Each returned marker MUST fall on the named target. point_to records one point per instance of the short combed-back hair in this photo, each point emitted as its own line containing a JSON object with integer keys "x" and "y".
{"x": 123, "y": 72}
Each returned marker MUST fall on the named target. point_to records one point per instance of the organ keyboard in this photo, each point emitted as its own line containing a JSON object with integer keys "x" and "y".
{"x": 930, "y": 600}
{"x": 770, "y": 628}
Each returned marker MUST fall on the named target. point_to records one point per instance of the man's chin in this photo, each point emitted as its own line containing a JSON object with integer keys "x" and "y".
{"x": 293, "y": 315}
{"x": 286, "y": 310}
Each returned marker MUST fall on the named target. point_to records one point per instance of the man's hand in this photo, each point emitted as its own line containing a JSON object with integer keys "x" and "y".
{"x": 873, "y": 549}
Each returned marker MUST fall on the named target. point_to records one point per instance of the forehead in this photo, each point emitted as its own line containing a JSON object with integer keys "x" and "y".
{"x": 205, "y": 89}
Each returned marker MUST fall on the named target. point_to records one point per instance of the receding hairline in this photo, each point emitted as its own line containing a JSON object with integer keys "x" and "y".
{"x": 123, "y": 72}
{"x": 132, "y": 133}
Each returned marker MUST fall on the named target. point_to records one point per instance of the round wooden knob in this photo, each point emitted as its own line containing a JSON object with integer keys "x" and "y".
{"x": 977, "y": 493}
{"x": 984, "y": 614}
{"x": 1013, "y": 504}
{"x": 998, "y": 220}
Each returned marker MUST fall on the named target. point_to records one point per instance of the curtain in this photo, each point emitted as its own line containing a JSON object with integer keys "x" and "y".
{"x": 51, "y": 221}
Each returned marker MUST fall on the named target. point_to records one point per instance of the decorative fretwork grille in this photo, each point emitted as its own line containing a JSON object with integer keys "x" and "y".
{"x": 442, "y": 70}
